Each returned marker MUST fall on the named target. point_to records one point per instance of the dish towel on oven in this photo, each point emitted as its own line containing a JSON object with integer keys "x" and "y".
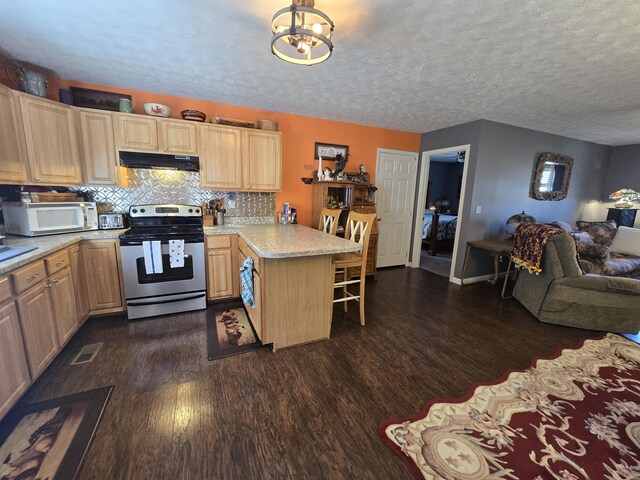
{"x": 152, "y": 257}
{"x": 246, "y": 279}
{"x": 176, "y": 253}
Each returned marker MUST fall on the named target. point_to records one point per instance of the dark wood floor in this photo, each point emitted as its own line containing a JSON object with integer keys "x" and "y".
{"x": 305, "y": 412}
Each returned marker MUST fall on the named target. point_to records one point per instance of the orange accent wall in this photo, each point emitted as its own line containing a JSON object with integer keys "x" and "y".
{"x": 299, "y": 134}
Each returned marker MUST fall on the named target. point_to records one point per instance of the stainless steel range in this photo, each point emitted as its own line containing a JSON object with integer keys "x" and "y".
{"x": 163, "y": 260}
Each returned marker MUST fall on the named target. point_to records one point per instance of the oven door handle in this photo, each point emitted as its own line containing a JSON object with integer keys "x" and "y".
{"x": 173, "y": 300}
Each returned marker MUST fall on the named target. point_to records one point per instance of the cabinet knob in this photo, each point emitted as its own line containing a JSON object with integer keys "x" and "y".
{"x": 32, "y": 277}
{"x": 61, "y": 262}
{"x": 48, "y": 285}
{"x": 379, "y": 219}
{"x": 37, "y": 179}
{"x": 55, "y": 281}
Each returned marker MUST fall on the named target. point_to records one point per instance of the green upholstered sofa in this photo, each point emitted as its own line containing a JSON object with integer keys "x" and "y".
{"x": 593, "y": 241}
{"x": 563, "y": 295}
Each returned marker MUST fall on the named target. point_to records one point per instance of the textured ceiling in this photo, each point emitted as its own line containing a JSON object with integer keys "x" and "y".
{"x": 566, "y": 67}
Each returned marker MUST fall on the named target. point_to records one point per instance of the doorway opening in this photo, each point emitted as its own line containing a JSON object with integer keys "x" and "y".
{"x": 438, "y": 218}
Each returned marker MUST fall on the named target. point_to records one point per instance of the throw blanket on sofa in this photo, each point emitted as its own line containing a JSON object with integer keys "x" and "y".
{"x": 529, "y": 242}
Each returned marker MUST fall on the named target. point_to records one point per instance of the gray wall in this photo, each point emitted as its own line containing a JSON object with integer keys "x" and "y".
{"x": 624, "y": 172}
{"x": 500, "y": 170}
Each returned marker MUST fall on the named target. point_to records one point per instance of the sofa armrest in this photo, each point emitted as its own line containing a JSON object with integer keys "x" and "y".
{"x": 601, "y": 283}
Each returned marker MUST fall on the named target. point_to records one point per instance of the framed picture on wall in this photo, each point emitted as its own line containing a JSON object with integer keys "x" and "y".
{"x": 329, "y": 151}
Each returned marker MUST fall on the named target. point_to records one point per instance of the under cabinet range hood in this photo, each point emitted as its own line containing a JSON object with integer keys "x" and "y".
{"x": 159, "y": 161}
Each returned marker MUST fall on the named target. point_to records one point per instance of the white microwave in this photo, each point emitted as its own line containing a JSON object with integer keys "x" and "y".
{"x": 48, "y": 218}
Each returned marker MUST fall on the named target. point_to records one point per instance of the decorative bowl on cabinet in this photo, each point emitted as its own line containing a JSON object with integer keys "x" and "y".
{"x": 157, "y": 109}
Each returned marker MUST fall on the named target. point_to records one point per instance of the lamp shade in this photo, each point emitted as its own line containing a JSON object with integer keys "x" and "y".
{"x": 517, "y": 219}
{"x": 625, "y": 198}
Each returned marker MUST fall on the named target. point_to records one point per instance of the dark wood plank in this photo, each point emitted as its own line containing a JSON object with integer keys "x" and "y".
{"x": 305, "y": 412}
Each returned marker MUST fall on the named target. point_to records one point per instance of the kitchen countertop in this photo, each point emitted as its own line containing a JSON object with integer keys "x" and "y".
{"x": 268, "y": 241}
{"x": 48, "y": 244}
{"x": 286, "y": 241}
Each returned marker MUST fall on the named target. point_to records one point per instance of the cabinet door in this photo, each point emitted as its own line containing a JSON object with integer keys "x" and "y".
{"x": 13, "y": 157}
{"x": 14, "y": 369}
{"x": 79, "y": 282}
{"x": 102, "y": 270}
{"x": 219, "y": 272}
{"x": 255, "y": 313}
{"x": 179, "y": 137}
{"x": 262, "y": 161}
{"x": 63, "y": 299}
{"x": 220, "y": 157}
{"x": 98, "y": 147}
{"x": 136, "y": 132}
{"x": 52, "y": 141}
{"x": 38, "y": 327}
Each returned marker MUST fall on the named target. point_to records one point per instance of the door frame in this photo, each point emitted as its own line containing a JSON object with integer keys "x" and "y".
{"x": 412, "y": 182}
{"x": 425, "y": 164}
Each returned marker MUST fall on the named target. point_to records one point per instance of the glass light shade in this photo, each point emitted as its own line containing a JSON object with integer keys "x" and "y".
{"x": 301, "y": 34}
{"x": 517, "y": 219}
{"x": 625, "y": 198}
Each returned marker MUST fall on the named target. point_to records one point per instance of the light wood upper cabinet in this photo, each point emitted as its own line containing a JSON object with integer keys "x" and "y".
{"x": 102, "y": 269}
{"x": 52, "y": 142}
{"x": 63, "y": 300}
{"x": 234, "y": 158}
{"x": 178, "y": 137}
{"x": 262, "y": 161}
{"x": 139, "y": 133}
{"x": 220, "y": 157}
{"x": 14, "y": 369}
{"x": 13, "y": 156}
{"x": 136, "y": 133}
{"x": 38, "y": 327}
{"x": 98, "y": 147}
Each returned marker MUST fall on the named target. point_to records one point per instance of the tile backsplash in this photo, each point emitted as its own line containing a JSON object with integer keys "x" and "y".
{"x": 173, "y": 186}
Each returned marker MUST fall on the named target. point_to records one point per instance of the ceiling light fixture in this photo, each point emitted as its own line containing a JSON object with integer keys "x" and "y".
{"x": 301, "y": 34}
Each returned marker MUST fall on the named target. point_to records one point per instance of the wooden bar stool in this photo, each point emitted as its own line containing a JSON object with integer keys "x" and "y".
{"x": 329, "y": 220}
{"x": 359, "y": 227}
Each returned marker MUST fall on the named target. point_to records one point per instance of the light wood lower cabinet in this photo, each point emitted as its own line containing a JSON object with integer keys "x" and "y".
{"x": 101, "y": 259}
{"x": 292, "y": 298}
{"x": 38, "y": 327}
{"x": 223, "y": 277}
{"x": 79, "y": 282}
{"x": 14, "y": 369}
{"x": 63, "y": 300}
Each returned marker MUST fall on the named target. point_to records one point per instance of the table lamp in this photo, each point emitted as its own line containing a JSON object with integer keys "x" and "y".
{"x": 624, "y": 198}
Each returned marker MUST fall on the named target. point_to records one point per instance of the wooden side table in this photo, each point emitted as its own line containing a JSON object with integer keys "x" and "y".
{"x": 499, "y": 249}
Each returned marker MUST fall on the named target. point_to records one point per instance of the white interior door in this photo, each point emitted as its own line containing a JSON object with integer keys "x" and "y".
{"x": 396, "y": 182}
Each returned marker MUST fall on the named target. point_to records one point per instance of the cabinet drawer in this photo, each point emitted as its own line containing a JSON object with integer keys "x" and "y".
{"x": 57, "y": 262}
{"x": 25, "y": 277}
{"x": 5, "y": 289}
{"x": 218, "y": 241}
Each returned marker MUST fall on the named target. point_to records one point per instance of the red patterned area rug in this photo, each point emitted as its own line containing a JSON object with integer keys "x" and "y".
{"x": 572, "y": 416}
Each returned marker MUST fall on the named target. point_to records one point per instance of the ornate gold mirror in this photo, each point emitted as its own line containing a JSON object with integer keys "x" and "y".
{"x": 551, "y": 175}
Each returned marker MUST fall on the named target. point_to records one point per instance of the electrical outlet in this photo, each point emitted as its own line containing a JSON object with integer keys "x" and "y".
{"x": 478, "y": 209}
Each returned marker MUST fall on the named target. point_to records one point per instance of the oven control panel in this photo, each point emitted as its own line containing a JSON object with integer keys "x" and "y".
{"x": 171, "y": 210}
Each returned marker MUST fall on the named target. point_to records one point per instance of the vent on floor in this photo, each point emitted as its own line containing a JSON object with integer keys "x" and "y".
{"x": 86, "y": 354}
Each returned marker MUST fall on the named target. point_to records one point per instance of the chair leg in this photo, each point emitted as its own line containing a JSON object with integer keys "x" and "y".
{"x": 344, "y": 290}
{"x": 362, "y": 282}
{"x": 333, "y": 290}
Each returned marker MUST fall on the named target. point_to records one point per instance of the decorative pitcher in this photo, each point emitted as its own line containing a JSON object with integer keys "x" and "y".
{"x": 31, "y": 82}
